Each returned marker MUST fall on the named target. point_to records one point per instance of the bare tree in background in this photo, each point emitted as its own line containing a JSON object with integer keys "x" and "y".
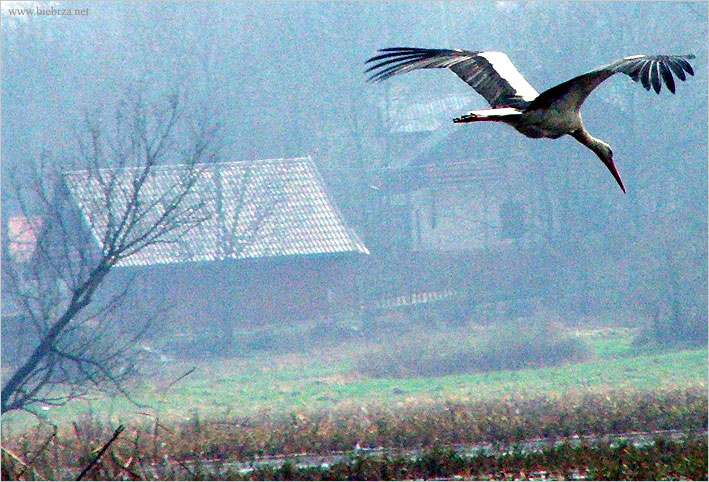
{"x": 69, "y": 314}
{"x": 244, "y": 207}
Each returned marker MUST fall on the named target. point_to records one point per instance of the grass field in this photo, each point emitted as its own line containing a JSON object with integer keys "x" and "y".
{"x": 230, "y": 411}
{"x": 295, "y": 382}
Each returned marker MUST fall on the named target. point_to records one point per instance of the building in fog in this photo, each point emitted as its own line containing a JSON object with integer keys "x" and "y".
{"x": 462, "y": 188}
{"x": 463, "y": 210}
{"x": 275, "y": 247}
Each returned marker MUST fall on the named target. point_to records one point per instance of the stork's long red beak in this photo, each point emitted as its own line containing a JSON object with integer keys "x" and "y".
{"x": 611, "y": 167}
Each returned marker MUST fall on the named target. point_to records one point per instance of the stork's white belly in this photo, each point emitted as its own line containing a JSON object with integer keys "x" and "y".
{"x": 550, "y": 123}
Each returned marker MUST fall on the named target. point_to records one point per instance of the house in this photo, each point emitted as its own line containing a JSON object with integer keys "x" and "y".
{"x": 474, "y": 214}
{"x": 273, "y": 247}
{"x": 457, "y": 188}
{"x": 19, "y": 240}
{"x": 22, "y": 237}
{"x": 464, "y": 196}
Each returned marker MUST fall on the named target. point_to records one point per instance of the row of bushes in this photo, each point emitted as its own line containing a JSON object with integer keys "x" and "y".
{"x": 510, "y": 346}
{"x": 426, "y": 352}
{"x": 271, "y": 339}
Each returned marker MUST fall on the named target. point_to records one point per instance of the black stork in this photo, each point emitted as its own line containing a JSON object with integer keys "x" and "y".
{"x": 553, "y": 113}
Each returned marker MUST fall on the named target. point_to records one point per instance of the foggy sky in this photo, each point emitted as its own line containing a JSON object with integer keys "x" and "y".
{"x": 287, "y": 79}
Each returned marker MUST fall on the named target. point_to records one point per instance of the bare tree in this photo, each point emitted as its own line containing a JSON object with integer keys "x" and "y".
{"x": 671, "y": 287}
{"x": 84, "y": 222}
{"x": 241, "y": 228}
{"x": 250, "y": 201}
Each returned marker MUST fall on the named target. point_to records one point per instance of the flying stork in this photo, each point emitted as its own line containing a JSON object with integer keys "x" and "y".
{"x": 553, "y": 113}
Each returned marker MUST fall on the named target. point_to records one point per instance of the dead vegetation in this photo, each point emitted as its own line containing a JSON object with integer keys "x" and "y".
{"x": 196, "y": 448}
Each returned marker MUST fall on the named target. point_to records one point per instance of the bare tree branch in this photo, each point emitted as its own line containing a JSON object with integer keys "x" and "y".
{"x": 101, "y": 452}
{"x": 113, "y": 210}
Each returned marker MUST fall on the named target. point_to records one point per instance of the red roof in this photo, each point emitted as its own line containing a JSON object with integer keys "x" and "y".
{"x": 22, "y": 235}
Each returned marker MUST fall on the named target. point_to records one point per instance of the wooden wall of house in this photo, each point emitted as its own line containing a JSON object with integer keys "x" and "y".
{"x": 247, "y": 293}
{"x": 490, "y": 274}
{"x": 478, "y": 215}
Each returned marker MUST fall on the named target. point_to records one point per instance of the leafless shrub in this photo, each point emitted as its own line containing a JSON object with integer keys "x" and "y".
{"x": 77, "y": 338}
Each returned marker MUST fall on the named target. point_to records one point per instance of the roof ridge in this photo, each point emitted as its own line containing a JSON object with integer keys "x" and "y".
{"x": 358, "y": 244}
{"x": 196, "y": 165}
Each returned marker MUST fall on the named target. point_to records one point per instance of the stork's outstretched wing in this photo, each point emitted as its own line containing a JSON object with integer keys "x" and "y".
{"x": 650, "y": 70}
{"x": 491, "y": 74}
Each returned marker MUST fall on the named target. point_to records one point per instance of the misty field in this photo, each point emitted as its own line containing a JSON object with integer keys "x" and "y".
{"x": 229, "y": 417}
{"x": 354, "y": 240}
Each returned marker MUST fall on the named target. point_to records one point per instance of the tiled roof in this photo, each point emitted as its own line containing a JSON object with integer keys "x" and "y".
{"x": 255, "y": 209}
{"x": 410, "y": 113}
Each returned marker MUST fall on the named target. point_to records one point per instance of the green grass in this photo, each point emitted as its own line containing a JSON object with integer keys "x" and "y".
{"x": 318, "y": 403}
{"x": 321, "y": 386}
{"x": 296, "y": 382}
